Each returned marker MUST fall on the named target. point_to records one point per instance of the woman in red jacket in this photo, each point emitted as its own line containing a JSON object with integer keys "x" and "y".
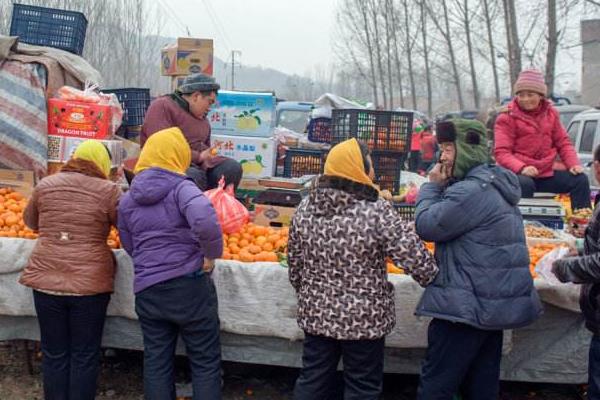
{"x": 528, "y": 138}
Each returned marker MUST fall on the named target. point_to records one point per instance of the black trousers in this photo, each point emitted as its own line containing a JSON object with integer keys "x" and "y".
{"x": 593, "y": 392}
{"x": 209, "y": 179}
{"x": 578, "y": 187}
{"x": 363, "y": 368}
{"x": 188, "y": 306}
{"x": 71, "y": 333}
{"x": 460, "y": 359}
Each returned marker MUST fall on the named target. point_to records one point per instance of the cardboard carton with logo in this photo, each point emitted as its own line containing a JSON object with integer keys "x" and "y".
{"x": 187, "y": 56}
{"x": 243, "y": 114}
{"x": 256, "y": 155}
{"x": 79, "y": 119}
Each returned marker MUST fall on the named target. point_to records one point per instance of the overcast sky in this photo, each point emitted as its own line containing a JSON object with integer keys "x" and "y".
{"x": 289, "y": 35}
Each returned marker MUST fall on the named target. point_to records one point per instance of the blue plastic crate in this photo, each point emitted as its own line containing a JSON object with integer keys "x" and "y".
{"x": 319, "y": 130}
{"x": 50, "y": 27}
{"x": 135, "y": 102}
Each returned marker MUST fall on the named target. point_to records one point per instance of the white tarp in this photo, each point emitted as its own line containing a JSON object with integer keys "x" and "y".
{"x": 329, "y": 101}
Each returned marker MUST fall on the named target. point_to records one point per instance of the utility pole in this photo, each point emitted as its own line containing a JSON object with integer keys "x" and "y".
{"x": 233, "y": 52}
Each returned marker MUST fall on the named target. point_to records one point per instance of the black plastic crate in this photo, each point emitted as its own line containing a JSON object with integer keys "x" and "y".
{"x": 51, "y": 27}
{"x": 405, "y": 210}
{"x": 299, "y": 162}
{"x": 319, "y": 130}
{"x": 135, "y": 102}
{"x": 388, "y": 166}
{"x": 380, "y": 130}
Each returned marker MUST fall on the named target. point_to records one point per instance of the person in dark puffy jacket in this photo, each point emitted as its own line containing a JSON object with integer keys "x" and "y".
{"x": 340, "y": 237}
{"x": 172, "y": 233}
{"x": 469, "y": 209}
{"x": 585, "y": 270}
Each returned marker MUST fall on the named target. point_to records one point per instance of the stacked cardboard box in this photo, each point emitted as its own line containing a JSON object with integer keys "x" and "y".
{"x": 187, "y": 56}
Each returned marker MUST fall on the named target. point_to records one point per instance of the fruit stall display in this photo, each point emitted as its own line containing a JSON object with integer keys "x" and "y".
{"x": 12, "y": 205}
{"x": 255, "y": 243}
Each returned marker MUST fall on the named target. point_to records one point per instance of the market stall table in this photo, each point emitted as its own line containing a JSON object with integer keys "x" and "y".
{"x": 257, "y": 310}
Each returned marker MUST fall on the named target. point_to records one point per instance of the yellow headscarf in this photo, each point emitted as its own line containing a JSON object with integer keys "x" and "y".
{"x": 96, "y": 152}
{"x": 167, "y": 149}
{"x": 345, "y": 160}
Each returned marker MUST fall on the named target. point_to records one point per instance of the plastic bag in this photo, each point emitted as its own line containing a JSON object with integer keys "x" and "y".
{"x": 231, "y": 213}
{"x": 544, "y": 266}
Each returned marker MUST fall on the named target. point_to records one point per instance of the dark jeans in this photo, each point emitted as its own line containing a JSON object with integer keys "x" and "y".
{"x": 71, "y": 333}
{"x": 593, "y": 392}
{"x": 186, "y": 306}
{"x": 577, "y": 186}
{"x": 463, "y": 359}
{"x": 363, "y": 368}
{"x": 209, "y": 179}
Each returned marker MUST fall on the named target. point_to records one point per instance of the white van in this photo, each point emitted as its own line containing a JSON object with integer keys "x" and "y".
{"x": 584, "y": 131}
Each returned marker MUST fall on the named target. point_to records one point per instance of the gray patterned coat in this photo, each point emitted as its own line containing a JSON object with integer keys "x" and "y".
{"x": 340, "y": 237}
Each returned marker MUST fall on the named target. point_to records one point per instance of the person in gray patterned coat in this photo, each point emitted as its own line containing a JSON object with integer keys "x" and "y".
{"x": 469, "y": 209}
{"x": 340, "y": 237}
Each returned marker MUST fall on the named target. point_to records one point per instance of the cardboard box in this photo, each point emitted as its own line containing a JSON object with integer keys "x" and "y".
{"x": 275, "y": 216}
{"x": 19, "y": 180}
{"x": 176, "y": 81}
{"x": 243, "y": 114}
{"x": 256, "y": 155}
{"x": 60, "y": 149}
{"x": 79, "y": 119}
{"x": 187, "y": 56}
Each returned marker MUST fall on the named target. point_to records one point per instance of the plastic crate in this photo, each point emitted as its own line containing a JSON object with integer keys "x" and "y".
{"x": 319, "y": 130}
{"x": 130, "y": 132}
{"x": 388, "y": 166}
{"x": 380, "y": 130}
{"x": 51, "y": 27}
{"x": 406, "y": 211}
{"x": 135, "y": 102}
{"x": 299, "y": 162}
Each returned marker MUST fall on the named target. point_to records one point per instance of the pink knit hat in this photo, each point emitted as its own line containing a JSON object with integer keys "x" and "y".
{"x": 531, "y": 79}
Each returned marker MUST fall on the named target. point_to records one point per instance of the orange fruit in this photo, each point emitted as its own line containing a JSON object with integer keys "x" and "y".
{"x": 11, "y": 220}
{"x": 254, "y": 249}
{"x": 244, "y": 242}
{"x": 260, "y": 240}
{"x": 233, "y": 240}
{"x": 234, "y": 249}
{"x": 246, "y": 257}
{"x": 273, "y": 238}
{"x": 281, "y": 243}
{"x": 12, "y": 234}
{"x": 267, "y": 246}
{"x": 235, "y": 257}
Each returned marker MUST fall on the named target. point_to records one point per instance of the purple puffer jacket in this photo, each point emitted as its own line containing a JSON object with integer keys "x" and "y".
{"x": 168, "y": 226}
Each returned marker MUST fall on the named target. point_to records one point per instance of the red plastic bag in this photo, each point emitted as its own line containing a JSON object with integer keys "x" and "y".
{"x": 231, "y": 213}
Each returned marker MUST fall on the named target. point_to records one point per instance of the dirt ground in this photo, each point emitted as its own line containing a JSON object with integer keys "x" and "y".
{"x": 120, "y": 379}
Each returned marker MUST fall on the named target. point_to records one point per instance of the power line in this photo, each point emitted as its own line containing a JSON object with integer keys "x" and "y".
{"x": 217, "y": 24}
{"x": 173, "y": 16}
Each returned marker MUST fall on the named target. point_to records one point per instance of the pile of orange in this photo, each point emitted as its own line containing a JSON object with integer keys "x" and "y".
{"x": 537, "y": 252}
{"x": 113, "y": 240}
{"x": 255, "y": 243}
{"x": 12, "y": 205}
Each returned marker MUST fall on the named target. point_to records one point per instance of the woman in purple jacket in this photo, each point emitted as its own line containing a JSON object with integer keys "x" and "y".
{"x": 172, "y": 232}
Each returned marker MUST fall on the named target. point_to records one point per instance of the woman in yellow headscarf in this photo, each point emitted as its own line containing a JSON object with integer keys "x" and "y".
{"x": 341, "y": 236}
{"x": 169, "y": 228}
{"x": 71, "y": 269}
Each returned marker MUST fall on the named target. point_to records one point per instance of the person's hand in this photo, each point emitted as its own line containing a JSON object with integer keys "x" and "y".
{"x": 386, "y": 194}
{"x": 530, "y": 171}
{"x": 559, "y": 270}
{"x": 438, "y": 174}
{"x": 576, "y": 170}
{"x": 209, "y": 265}
{"x": 209, "y": 153}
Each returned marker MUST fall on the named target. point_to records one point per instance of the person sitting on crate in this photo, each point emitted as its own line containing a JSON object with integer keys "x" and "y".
{"x": 186, "y": 108}
{"x": 529, "y": 136}
{"x": 469, "y": 210}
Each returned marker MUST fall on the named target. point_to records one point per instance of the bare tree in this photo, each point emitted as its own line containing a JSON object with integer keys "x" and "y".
{"x": 512, "y": 40}
{"x": 377, "y": 40}
{"x": 388, "y": 39}
{"x": 410, "y": 41}
{"x": 423, "y": 16}
{"x": 448, "y": 38}
{"x": 552, "y": 46}
{"x": 490, "y": 40}
{"x": 465, "y": 16}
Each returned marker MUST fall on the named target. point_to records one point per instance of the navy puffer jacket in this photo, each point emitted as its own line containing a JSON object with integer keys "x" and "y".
{"x": 484, "y": 279}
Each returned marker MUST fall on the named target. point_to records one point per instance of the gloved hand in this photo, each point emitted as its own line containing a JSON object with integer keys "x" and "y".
{"x": 559, "y": 269}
